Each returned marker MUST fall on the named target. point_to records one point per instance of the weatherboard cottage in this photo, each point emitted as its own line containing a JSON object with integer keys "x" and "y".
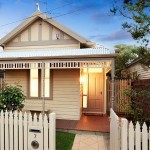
{"x": 58, "y": 69}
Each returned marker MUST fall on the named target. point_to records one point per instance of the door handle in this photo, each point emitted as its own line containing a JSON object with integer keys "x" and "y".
{"x": 101, "y": 92}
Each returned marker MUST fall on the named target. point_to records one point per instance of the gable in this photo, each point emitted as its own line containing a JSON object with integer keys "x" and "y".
{"x": 40, "y": 27}
{"x": 41, "y": 33}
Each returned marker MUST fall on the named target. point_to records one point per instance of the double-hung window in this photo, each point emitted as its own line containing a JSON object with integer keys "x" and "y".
{"x": 37, "y": 84}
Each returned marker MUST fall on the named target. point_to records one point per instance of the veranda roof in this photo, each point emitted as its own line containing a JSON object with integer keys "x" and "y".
{"x": 57, "y": 53}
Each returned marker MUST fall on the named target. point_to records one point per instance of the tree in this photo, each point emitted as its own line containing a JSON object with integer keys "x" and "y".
{"x": 126, "y": 55}
{"x": 138, "y": 24}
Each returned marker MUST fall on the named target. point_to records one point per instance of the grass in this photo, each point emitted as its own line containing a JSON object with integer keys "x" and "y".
{"x": 64, "y": 140}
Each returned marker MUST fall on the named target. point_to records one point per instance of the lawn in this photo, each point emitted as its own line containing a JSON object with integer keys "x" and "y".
{"x": 64, "y": 140}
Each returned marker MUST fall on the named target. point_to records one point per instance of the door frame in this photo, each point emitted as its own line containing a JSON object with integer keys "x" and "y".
{"x": 85, "y": 110}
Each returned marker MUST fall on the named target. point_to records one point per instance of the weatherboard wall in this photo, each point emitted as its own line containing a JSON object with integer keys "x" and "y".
{"x": 65, "y": 100}
{"x": 142, "y": 72}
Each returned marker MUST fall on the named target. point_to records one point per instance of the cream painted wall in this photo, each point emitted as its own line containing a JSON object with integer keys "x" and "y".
{"x": 35, "y": 32}
{"x": 24, "y": 36}
{"x": 46, "y": 28}
{"x": 66, "y": 92}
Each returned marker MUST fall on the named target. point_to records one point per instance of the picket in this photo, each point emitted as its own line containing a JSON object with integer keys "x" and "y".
{"x": 30, "y": 119}
{"x": 138, "y": 137}
{"x": 35, "y": 119}
{"x": 124, "y": 125}
{"x": 131, "y": 136}
{"x": 11, "y": 131}
{"x": 40, "y": 120}
{"x": 14, "y": 130}
{"x": 25, "y": 131}
{"x": 6, "y": 131}
{"x": 20, "y": 132}
{"x": 45, "y": 133}
{"x": 2, "y": 130}
{"x": 144, "y": 137}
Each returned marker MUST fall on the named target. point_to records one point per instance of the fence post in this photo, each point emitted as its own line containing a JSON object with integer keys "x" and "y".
{"x": 124, "y": 126}
{"x": 52, "y": 131}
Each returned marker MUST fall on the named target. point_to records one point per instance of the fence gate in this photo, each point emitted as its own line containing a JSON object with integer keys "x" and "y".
{"x": 20, "y": 131}
{"x": 126, "y": 136}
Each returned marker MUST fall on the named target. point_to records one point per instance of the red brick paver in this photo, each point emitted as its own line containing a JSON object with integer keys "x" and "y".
{"x": 86, "y": 123}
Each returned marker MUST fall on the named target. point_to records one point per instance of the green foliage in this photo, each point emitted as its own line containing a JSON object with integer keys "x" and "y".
{"x": 11, "y": 98}
{"x": 137, "y": 23}
{"x": 138, "y": 18}
{"x": 144, "y": 56}
{"x": 134, "y": 109}
{"x": 126, "y": 55}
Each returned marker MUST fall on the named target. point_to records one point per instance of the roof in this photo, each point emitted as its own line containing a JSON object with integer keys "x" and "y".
{"x": 60, "y": 53}
{"x": 35, "y": 16}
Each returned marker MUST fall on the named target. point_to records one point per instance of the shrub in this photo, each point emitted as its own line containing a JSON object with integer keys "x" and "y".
{"x": 135, "y": 109}
{"x": 11, "y": 98}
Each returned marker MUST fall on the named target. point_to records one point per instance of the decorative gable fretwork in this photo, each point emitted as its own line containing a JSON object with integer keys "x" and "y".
{"x": 40, "y": 33}
{"x": 56, "y": 64}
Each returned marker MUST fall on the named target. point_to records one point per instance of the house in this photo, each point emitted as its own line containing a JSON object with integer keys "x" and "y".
{"x": 58, "y": 69}
{"x": 137, "y": 71}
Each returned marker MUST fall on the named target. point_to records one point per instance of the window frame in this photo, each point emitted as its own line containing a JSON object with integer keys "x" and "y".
{"x": 40, "y": 84}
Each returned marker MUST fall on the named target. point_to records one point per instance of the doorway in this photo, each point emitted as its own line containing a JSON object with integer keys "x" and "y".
{"x": 93, "y": 93}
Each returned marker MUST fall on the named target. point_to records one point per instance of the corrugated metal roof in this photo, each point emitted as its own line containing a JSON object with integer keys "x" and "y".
{"x": 55, "y": 53}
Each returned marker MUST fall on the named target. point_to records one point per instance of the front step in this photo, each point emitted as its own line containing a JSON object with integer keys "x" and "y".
{"x": 93, "y": 113}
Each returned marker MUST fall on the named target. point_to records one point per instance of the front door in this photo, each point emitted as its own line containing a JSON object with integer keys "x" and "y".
{"x": 95, "y": 92}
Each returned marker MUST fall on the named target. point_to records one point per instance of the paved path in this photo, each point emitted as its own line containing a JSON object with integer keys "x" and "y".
{"x": 91, "y": 141}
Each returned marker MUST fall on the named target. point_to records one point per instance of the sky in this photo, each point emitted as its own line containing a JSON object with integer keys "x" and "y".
{"x": 90, "y": 18}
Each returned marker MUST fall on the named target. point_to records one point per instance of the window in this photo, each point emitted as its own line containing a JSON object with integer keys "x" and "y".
{"x": 36, "y": 84}
{"x": 46, "y": 84}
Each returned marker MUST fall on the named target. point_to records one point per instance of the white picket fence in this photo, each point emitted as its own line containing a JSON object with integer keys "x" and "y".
{"x": 125, "y": 136}
{"x": 15, "y": 134}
